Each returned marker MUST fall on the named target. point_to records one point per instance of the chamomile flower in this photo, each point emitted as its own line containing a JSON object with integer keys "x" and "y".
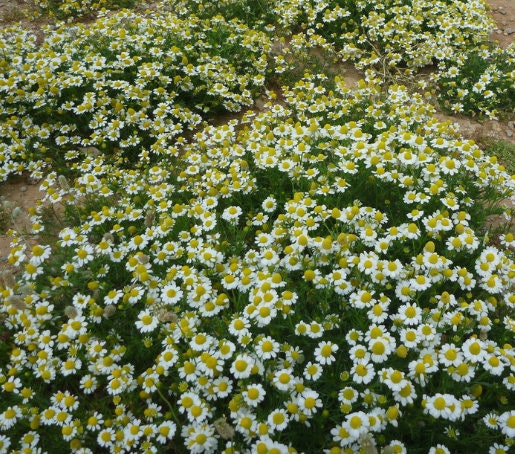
{"x": 147, "y": 322}
{"x": 166, "y": 431}
{"x": 254, "y": 394}
{"x": 267, "y": 348}
{"x": 242, "y": 366}
{"x": 357, "y": 423}
{"x": 309, "y": 402}
{"x": 498, "y": 448}
{"x": 200, "y": 438}
{"x": 278, "y": 419}
{"x": 312, "y": 371}
{"x": 409, "y": 314}
{"x": 171, "y": 293}
{"x": 269, "y": 204}
{"x": 106, "y": 437}
{"x": 324, "y": 352}
{"x": 474, "y": 350}
{"x": 494, "y": 364}
{"x": 284, "y": 380}
{"x": 405, "y": 394}
{"x": 363, "y": 372}
{"x": 439, "y": 449}
{"x": 342, "y": 434}
{"x": 9, "y": 417}
{"x": 506, "y": 422}
{"x": 232, "y": 214}
{"x": 239, "y": 326}
{"x": 348, "y": 395}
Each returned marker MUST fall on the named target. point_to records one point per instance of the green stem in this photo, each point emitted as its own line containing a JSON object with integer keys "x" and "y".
{"x": 174, "y": 415}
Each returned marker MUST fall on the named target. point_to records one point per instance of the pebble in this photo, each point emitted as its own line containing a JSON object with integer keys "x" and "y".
{"x": 509, "y": 132}
{"x": 511, "y": 124}
{"x": 501, "y": 11}
{"x": 509, "y": 31}
{"x": 23, "y": 189}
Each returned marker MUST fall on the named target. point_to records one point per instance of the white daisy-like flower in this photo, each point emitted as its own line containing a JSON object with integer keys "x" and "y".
{"x": 312, "y": 371}
{"x": 232, "y": 214}
{"x": 284, "y": 380}
{"x": 444, "y": 406}
{"x": 506, "y": 423}
{"x": 146, "y": 322}
{"x": 474, "y": 350}
{"x": 357, "y": 423}
{"x": 171, "y": 293}
{"x": 363, "y": 372}
{"x": 309, "y": 402}
{"x": 278, "y": 419}
{"x": 242, "y": 366}
{"x": 324, "y": 352}
{"x": 254, "y": 394}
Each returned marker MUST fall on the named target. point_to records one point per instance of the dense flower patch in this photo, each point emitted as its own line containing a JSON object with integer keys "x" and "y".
{"x": 393, "y": 37}
{"x": 69, "y": 8}
{"x": 321, "y": 266}
{"x": 393, "y": 33}
{"x": 127, "y": 82}
{"x": 481, "y": 81}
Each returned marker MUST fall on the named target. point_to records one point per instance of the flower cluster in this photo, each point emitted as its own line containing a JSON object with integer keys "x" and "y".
{"x": 127, "y": 82}
{"x": 69, "y": 8}
{"x": 320, "y": 266}
{"x": 481, "y": 81}
{"x": 392, "y": 33}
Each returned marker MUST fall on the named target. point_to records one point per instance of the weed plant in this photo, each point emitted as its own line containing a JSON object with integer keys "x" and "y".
{"x": 314, "y": 276}
{"x": 481, "y": 82}
{"x": 62, "y": 9}
{"x": 320, "y": 266}
{"x": 128, "y": 83}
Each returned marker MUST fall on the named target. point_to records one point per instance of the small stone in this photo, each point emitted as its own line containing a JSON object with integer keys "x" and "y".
{"x": 93, "y": 151}
{"x": 511, "y": 124}
{"x": 23, "y": 189}
{"x": 501, "y": 11}
{"x": 260, "y": 103}
{"x": 509, "y": 133}
{"x": 509, "y": 31}
{"x": 499, "y": 32}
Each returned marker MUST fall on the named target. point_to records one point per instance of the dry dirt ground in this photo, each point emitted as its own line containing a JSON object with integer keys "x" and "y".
{"x": 24, "y": 194}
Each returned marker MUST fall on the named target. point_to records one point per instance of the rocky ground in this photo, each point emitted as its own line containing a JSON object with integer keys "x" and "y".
{"x": 21, "y": 193}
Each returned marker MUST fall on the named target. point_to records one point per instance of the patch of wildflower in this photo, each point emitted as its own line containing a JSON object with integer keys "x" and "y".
{"x": 480, "y": 82}
{"x": 254, "y": 13}
{"x": 69, "y": 8}
{"x": 391, "y": 34}
{"x": 128, "y": 83}
{"x": 319, "y": 266}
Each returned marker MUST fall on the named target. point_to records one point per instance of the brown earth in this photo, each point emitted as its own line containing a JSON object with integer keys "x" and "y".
{"x": 24, "y": 194}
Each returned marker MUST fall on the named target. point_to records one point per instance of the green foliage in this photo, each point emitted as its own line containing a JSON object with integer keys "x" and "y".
{"x": 316, "y": 265}
{"x": 393, "y": 34}
{"x": 127, "y": 83}
{"x": 69, "y": 8}
{"x": 255, "y": 13}
{"x": 309, "y": 264}
{"x": 504, "y": 150}
{"x": 480, "y": 82}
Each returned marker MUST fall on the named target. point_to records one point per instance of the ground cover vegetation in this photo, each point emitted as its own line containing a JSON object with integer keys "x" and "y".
{"x": 323, "y": 264}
